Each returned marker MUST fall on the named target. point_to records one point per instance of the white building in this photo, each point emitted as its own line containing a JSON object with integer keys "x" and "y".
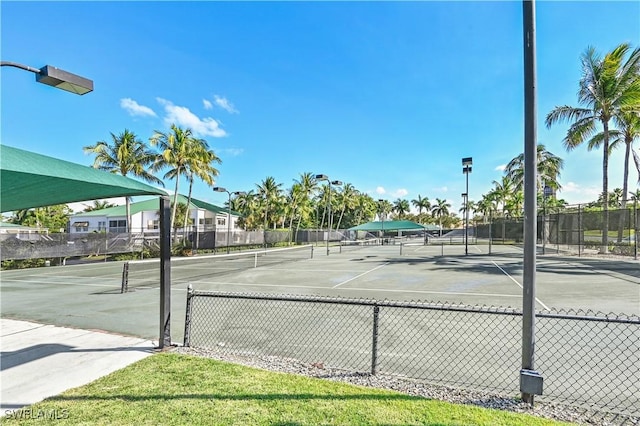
{"x": 145, "y": 218}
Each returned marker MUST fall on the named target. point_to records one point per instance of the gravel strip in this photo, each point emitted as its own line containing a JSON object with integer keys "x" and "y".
{"x": 417, "y": 388}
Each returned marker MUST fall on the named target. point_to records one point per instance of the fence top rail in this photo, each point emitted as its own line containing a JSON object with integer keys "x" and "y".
{"x": 361, "y": 302}
{"x": 441, "y": 306}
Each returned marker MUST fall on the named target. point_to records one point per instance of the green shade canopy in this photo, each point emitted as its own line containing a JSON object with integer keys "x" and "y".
{"x": 391, "y": 225}
{"x": 30, "y": 180}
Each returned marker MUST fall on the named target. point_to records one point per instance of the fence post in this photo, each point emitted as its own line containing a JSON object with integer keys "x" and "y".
{"x": 374, "y": 346}
{"x": 187, "y": 319}
{"x": 635, "y": 228}
{"x": 125, "y": 278}
{"x": 401, "y": 244}
{"x": 580, "y": 231}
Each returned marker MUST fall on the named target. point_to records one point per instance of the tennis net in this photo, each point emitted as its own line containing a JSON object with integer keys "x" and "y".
{"x": 146, "y": 273}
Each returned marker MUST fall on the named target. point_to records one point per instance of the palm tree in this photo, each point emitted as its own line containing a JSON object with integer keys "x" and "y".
{"x": 503, "y": 191}
{"x": 608, "y": 86}
{"x": 127, "y": 155}
{"x": 629, "y": 125}
{"x": 176, "y": 150}
{"x": 268, "y": 192}
{"x": 98, "y": 205}
{"x": 548, "y": 166}
{"x": 199, "y": 164}
{"x": 347, "y": 198}
{"x": 439, "y": 210}
{"x": 421, "y": 203}
{"x": 401, "y": 207}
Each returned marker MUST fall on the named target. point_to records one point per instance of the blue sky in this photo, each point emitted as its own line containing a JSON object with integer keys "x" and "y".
{"x": 386, "y": 96}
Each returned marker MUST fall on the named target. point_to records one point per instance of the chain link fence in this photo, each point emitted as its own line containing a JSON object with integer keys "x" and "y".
{"x": 587, "y": 359}
{"x": 570, "y": 230}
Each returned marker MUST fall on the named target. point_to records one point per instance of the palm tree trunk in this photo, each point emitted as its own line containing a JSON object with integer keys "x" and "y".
{"x": 186, "y": 216}
{"x": 175, "y": 200}
{"x": 605, "y": 188}
{"x": 340, "y": 219}
{"x": 625, "y": 189}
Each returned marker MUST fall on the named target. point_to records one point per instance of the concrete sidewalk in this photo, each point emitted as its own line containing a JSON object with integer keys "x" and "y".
{"x": 39, "y": 360}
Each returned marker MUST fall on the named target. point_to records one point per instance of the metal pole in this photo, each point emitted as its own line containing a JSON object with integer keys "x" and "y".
{"x": 530, "y": 151}
{"x": 544, "y": 225}
{"x": 490, "y": 234}
{"x": 229, "y": 223}
{"x": 374, "y": 345}
{"x": 466, "y": 218}
{"x": 329, "y": 224}
{"x": 635, "y": 226}
{"x": 165, "y": 273}
{"x": 579, "y": 230}
{"x": 188, "y": 315}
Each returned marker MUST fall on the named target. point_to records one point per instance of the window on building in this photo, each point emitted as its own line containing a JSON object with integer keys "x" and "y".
{"x": 102, "y": 226}
{"x": 81, "y": 226}
{"x": 118, "y": 226}
{"x": 222, "y": 221}
{"x": 153, "y": 224}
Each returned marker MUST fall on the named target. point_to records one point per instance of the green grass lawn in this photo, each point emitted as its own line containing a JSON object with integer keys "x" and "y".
{"x": 177, "y": 389}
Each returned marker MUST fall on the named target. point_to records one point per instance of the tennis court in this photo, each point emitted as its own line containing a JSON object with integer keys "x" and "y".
{"x": 89, "y": 296}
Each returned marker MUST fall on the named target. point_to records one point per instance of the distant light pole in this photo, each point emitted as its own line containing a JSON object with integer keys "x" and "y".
{"x": 547, "y": 192}
{"x": 221, "y": 189}
{"x": 466, "y": 169}
{"x": 329, "y": 220}
{"x": 381, "y": 201}
{"x": 56, "y": 77}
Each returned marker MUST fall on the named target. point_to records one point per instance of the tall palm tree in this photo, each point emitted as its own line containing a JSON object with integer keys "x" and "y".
{"x": 401, "y": 207}
{"x": 347, "y": 199}
{"x": 608, "y": 86}
{"x": 548, "y": 166}
{"x": 421, "y": 203}
{"x": 176, "y": 150}
{"x": 503, "y": 191}
{"x": 127, "y": 155}
{"x": 628, "y": 123}
{"x": 439, "y": 210}
{"x": 200, "y": 164}
{"x": 269, "y": 191}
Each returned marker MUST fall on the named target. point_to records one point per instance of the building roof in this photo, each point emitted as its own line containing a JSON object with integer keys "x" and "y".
{"x": 151, "y": 205}
{"x": 389, "y": 225}
{"x": 34, "y": 180}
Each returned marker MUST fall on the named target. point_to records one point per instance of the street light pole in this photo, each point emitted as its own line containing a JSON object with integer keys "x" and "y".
{"x": 466, "y": 169}
{"x": 329, "y": 219}
{"x": 55, "y": 77}
{"x": 381, "y": 201}
{"x": 221, "y": 189}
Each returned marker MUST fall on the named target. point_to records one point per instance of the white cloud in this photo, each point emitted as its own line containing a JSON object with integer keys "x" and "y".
{"x": 380, "y": 190}
{"x": 182, "y": 116}
{"x": 571, "y": 187}
{"x": 400, "y": 192}
{"x": 135, "y": 109}
{"x": 224, "y": 103}
{"x": 499, "y": 168}
{"x": 441, "y": 189}
{"x": 233, "y": 152}
{"x": 207, "y": 104}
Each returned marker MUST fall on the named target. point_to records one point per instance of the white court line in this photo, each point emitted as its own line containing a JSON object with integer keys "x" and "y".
{"x": 519, "y": 285}
{"x": 359, "y": 275}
